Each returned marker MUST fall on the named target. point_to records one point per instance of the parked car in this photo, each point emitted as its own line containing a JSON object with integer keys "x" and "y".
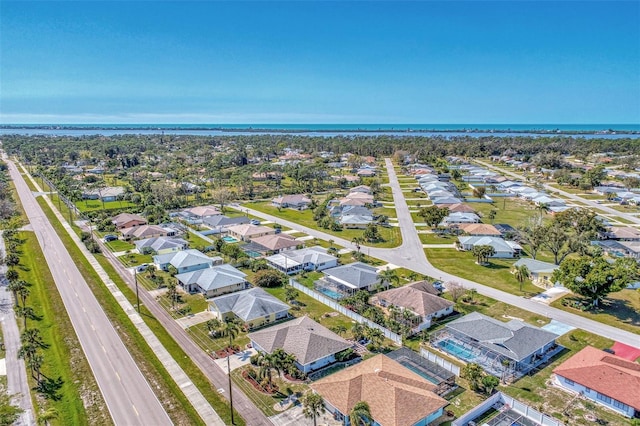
{"x": 142, "y": 268}
{"x": 255, "y": 222}
{"x": 110, "y": 237}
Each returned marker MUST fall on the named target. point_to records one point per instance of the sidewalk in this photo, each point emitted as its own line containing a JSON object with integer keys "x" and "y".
{"x": 193, "y": 394}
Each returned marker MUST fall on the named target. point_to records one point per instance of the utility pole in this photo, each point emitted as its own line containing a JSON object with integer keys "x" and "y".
{"x": 135, "y": 277}
{"x": 229, "y": 376}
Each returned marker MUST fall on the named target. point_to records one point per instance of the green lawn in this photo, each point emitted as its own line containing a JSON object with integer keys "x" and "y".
{"x": 178, "y": 408}
{"x": 620, "y": 309}
{"x": 497, "y": 274}
{"x": 432, "y": 238}
{"x": 93, "y": 205}
{"x": 119, "y": 245}
{"x": 512, "y": 211}
{"x": 134, "y": 259}
{"x": 391, "y": 236}
{"x": 201, "y": 336}
{"x": 64, "y": 357}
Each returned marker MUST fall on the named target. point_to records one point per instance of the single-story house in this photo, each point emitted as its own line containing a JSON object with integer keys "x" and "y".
{"x": 366, "y": 173}
{"x": 361, "y": 196}
{"x": 501, "y": 348}
{"x": 247, "y": 231}
{"x": 480, "y": 229}
{"x": 313, "y": 345}
{"x": 603, "y": 378}
{"x": 352, "y": 277}
{"x": 274, "y": 243}
{"x": 458, "y": 217}
{"x": 222, "y": 222}
{"x": 446, "y": 200}
{"x": 355, "y": 221}
{"x": 254, "y": 307}
{"x": 459, "y": 208}
{"x": 503, "y": 248}
{"x": 624, "y": 233}
{"x": 539, "y": 272}
{"x": 160, "y": 245}
{"x": 146, "y": 231}
{"x": 203, "y": 211}
{"x": 297, "y": 202}
{"x": 185, "y": 261}
{"x": 110, "y": 193}
{"x": 396, "y": 395}
{"x": 420, "y": 298}
{"x": 128, "y": 220}
{"x": 214, "y": 281}
{"x": 361, "y": 188}
{"x": 545, "y": 200}
{"x": 306, "y": 259}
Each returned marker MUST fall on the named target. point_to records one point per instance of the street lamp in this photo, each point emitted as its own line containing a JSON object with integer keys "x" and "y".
{"x": 135, "y": 277}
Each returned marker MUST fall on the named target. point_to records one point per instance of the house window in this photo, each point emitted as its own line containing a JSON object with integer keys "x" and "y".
{"x": 569, "y": 382}
{"x": 619, "y": 404}
{"x": 603, "y": 398}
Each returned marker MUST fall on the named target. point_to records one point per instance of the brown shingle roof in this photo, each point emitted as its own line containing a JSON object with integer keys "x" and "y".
{"x": 479, "y": 229}
{"x": 396, "y": 395}
{"x": 459, "y": 207}
{"x": 416, "y": 297}
{"x": 124, "y": 218}
{"x": 607, "y": 374}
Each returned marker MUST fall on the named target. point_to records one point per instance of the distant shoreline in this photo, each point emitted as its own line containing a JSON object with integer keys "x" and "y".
{"x": 327, "y": 128}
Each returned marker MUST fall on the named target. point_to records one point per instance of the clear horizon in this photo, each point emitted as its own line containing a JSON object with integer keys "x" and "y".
{"x": 574, "y": 62}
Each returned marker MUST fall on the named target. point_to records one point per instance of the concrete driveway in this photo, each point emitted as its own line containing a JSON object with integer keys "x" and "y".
{"x": 237, "y": 360}
{"x": 195, "y": 319}
{"x": 295, "y": 417}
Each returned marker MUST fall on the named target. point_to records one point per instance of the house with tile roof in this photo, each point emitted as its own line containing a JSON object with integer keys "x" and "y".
{"x": 480, "y": 229}
{"x": 254, "y": 307}
{"x": 128, "y": 220}
{"x": 110, "y": 193}
{"x": 185, "y": 261}
{"x": 396, "y": 395}
{"x": 214, "y": 281}
{"x": 460, "y": 217}
{"x": 503, "y": 249}
{"x": 202, "y": 211}
{"x": 313, "y": 345}
{"x": 420, "y": 298}
{"x": 603, "y": 378}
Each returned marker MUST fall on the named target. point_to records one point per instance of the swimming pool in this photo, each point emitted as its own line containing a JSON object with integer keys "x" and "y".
{"x": 252, "y": 254}
{"x": 228, "y": 239}
{"x": 420, "y": 372}
{"x": 332, "y": 294}
{"x": 457, "y": 350}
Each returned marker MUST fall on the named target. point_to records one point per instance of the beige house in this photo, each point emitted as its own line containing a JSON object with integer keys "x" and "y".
{"x": 246, "y": 232}
{"x": 146, "y": 231}
{"x": 128, "y": 220}
{"x": 254, "y": 307}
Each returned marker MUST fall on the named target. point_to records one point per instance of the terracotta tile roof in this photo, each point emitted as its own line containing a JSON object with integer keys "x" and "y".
{"x": 607, "y": 374}
{"x": 276, "y": 241}
{"x": 459, "y": 207}
{"x": 396, "y": 395}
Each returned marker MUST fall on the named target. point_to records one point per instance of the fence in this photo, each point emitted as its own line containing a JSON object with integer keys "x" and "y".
{"x": 440, "y": 361}
{"x": 396, "y": 338}
{"x": 512, "y": 404}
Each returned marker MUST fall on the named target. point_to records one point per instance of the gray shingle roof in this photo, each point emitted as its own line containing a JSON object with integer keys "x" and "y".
{"x": 183, "y": 259}
{"x": 221, "y": 220}
{"x": 357, "y": 275}
{"x": 249, "y": 305}
{"x": 536, "y": 266}
{"x": 304, "y": 338}
{"x": 514, "y": 339}
{"x": 213, "y": 278}
{"x": 160, "y": 243}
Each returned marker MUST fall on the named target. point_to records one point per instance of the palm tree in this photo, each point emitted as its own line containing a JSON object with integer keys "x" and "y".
{"x": 360, "y": 414}
{"x": 25, "y": 312}
{"x": 213, "y": 326}
{"x": 267, "y": 363}
{"x": 230, "y": 328}
{"x": 16, "y": 287}
{"x": 339, "y": 329}
{"x": 357, "y": 241}
{"x": 50, "y": 414}
{"x": 35, "y": 364}
{"x": 357, "y": 330}
{"x": 33, "y": 337}
{"x": 312, "y": 406}
{"x": 374, "y": 335}
{"x": 522, "y": 273}
{"x": 385, "y": 277}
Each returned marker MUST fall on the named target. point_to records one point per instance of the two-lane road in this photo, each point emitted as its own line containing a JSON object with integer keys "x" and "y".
{"x": 126, "y": 392}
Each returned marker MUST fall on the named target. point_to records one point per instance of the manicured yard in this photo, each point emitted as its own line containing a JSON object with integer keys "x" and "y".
{"x": 200, "y": 334}
{"x": 391, "y": 236}
{"x": 134, "y": 259}
{"x": 93, "y": 205}
{"x": 119, "y": 245}
{"x": 620, "y": 309}
{"x": 497, "y": 274}
{"x": 512, "y": 211}
{"x": 432, "y": 238}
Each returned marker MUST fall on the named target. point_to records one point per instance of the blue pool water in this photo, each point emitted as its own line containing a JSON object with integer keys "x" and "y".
{"x": 420, "y": 373}
{"x": 252, "y": 253}
{"x": 229, "y": 240}
{"x": 457, "y": 350}
{"x": 332, "y": 294}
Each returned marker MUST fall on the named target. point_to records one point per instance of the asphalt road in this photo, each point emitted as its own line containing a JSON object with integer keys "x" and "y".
{"x": 243, "y": 405}
{"x": 17, "y": 384}
{"x": 126, "y": 392}
{"x": 590, "y": 203}
{"x": 411, "y": 255}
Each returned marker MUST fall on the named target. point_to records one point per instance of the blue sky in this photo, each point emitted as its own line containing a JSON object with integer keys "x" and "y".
{"x": 320, "y": 62}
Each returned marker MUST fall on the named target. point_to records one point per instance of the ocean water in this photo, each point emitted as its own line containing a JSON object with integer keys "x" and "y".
{"x": 608, "y": 131}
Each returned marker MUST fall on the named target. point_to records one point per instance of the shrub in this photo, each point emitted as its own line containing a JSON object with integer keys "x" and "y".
{"x": 268, "y": 278}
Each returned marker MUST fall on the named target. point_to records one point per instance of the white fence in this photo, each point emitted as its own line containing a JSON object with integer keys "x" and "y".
{"x": 440, "y": 361}
{"x": 513, "y": 404}
{"x": 396, "y": 338}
